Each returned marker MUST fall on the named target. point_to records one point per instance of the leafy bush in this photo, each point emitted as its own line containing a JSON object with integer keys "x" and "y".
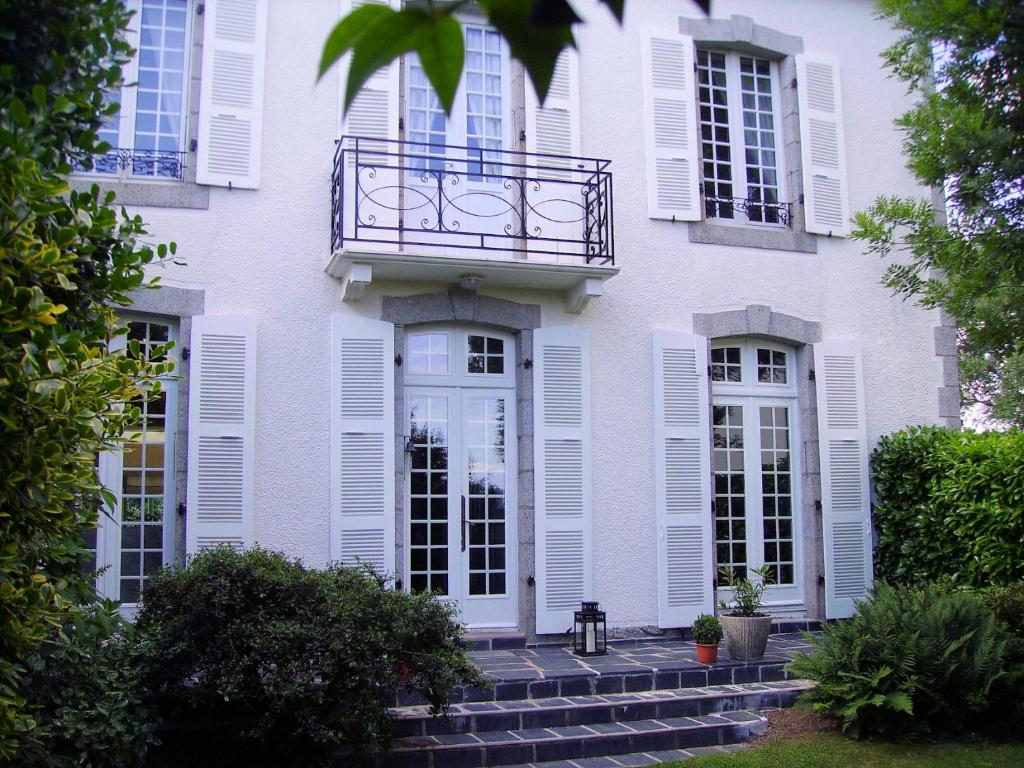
{"x": 706, "y": 630}
{"x": 66, "y": 261}
{"x": 950, "y": 504}
{"x": 909, "y": 662}
{"x": 90, "y": 710}
{"x": 296, "y": 661}
{"x": 1007, "y": 605}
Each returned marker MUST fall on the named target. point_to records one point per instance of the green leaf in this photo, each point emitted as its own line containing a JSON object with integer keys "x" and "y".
{"x": 536, "y": 46}
{"x": 442, "y": 53}
{"x": 349, "y": 31}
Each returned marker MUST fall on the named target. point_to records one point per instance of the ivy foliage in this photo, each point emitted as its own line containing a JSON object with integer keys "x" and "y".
{"x": 964, "y": 62}
{"x": 911, "y": 663}
{"x": 536, "y": 32}
{"x": 66, "y": 259}
{"x": 262, "y": 661}
{"x": 950, "y": 506}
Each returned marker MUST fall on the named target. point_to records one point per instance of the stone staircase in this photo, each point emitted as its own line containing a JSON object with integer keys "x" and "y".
{"x": 645, "y": 702}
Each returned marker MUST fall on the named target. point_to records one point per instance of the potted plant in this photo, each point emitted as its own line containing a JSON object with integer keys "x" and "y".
{"x": 745, "y": 627}
{"x": 707, "y": 631}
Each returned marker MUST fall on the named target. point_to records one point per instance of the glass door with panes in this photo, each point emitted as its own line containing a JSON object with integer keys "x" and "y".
{"x": 460, "y": 500}
{"x": 755, "y": 463}
{"x": 451, "y": 188}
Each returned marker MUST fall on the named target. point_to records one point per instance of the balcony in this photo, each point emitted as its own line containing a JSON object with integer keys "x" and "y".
{"x": 440, "y": 213}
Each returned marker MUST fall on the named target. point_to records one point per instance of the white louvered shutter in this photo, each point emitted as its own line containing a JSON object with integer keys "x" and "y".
{"x": 683, "y": 478}
{"x": 846, "y": 503}
{"x": 670, "y": 127}
{"x": 231, "y": 93}
{"x": 221, "y": 432}
{"x": 553, "y": 130}
{"x": 374, "y": 114}
{"x": 822, "y": 146}
{"x": 363, "y": 442}
{"x": 561, "y": 392}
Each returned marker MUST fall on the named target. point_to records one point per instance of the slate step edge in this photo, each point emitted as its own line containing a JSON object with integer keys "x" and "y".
{"x": 566, "y": 683}
{"x": 584, "y": 710}
{"x": 496, "y": 748}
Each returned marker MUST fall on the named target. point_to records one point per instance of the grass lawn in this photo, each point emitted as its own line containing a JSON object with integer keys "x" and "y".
{"x": 830, "y": 750}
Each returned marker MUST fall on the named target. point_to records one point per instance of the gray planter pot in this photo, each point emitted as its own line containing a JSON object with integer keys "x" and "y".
{"x": 746, "y": 636}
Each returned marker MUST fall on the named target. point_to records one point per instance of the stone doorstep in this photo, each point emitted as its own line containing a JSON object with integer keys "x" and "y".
{"x": 532, "y": 745}
{"x": 588, "y": 710}
{"x": 589, "y": 683}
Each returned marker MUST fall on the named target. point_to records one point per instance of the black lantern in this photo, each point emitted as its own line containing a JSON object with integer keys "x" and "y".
{"x": 590, "y": 631}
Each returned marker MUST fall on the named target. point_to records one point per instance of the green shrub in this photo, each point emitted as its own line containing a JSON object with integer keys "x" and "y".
{"x": 295, "y": 661}
{"x": 909, "y": 662}
{"x": 89, "y": 706}
{"x": 67, "y": 260}
{"x": 950, "y": 504}
{"x": 1007, "y": 605}
{"x": 706, "y": 630}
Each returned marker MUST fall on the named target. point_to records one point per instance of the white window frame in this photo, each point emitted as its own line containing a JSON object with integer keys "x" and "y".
{"x": 110, "y": 468}
{"x": 126, "y": 114}
{"x": 458, "y": 374}
{"x": 751, "y": 395}
{"x": 737, "y": 145}
{"x": 455, "y": 132}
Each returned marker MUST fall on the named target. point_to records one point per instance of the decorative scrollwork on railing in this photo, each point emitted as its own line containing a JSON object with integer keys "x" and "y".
{"x": 137, "y": 162}
{"x": 459, "y": 197}
{"x": 757, "y": 211}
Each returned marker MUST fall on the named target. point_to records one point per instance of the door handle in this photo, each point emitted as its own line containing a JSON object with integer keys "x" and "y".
{"x": 462, "y": 527}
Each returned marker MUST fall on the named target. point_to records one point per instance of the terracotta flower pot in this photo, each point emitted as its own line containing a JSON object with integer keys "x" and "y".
{"x": 746, "y": 636}
{"x": 707, "y": 654}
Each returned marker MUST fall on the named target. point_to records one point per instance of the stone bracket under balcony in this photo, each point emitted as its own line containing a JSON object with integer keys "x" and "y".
{"x": 577, "y": 282}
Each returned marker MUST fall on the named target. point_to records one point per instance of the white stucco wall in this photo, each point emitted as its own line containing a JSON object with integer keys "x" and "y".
{"x": 263, "y": 252}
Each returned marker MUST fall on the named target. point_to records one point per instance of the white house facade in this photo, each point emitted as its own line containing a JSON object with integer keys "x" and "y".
{"x": 604, "y": 348}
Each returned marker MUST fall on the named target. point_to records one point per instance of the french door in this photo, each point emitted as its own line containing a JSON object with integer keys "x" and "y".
{"x": 755, "y": 456}
{"x": 460, "y": 500}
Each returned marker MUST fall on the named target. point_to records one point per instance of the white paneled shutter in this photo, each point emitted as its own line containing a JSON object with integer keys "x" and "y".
{"x": 846, "y": 510}
{"x": 231, "y": 93}
{"x": 682, "y": 456}
{"x": 822, "y": 146}
{"x": 561, "y": 392}
{"x": 363, "y": 442}
{"x": 221, "y": 432}
{"x": 670, "y": 127}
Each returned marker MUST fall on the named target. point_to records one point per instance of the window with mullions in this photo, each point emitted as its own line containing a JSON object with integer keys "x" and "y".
{"x": 147, "y": 134}
{"x": 136, "y": 538}
{"x": 739, "y": 119}
{"x": 145, "y": 479}
{"x": 478, "y": 120}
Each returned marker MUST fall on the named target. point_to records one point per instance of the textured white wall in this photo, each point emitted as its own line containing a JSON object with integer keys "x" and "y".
{"x": 263, "y": 252}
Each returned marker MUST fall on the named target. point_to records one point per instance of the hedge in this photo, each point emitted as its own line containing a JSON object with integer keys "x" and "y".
{"x": 950, "y": 505}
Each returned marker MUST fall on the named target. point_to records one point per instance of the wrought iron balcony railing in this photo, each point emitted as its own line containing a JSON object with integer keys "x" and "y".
{"x": 136, "y": 163}
{"x": 433, "y": 197}
{"x": 757, "y": 211}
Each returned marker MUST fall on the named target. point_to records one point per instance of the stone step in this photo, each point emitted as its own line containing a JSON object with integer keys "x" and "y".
{"x": 577, "y": 681}
{"x": 533, "y": 745}
{"x": 479, "y": 640}
{"x": 524, "y": 714}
